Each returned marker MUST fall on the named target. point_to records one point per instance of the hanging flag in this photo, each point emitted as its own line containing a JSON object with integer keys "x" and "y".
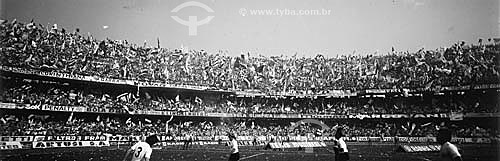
{"x": 429, "y": 85}
{"x": 168, "y": 121}
{"x": 105, "y": 27}
{"x": 133, "y": 97}
{"x": 198, "y": 100}
{"x": 186, "y": 63}
{"x": 129, "y": 111}
{"x": 456, "y": 116}
{"x": 405, "y": 92}
{"x": 39, "y": 117}
{"x": 426, "y": 124}
{"x": 187, "y": 124}
{"x": 496, "y": 40}
{"x": 171, "y": 117}
{"x": 123, "y": 97}
{"x": 31, "y": 122}
{"x": 413, "y": 125}
{"x": 70, "y": 118}
{"x": 54, "y": 27}
{"x": 177, "y": 98}
{"x": 3, "y": 120}
{"x": 158, "y": 41}
{"x": 105, "y": 97}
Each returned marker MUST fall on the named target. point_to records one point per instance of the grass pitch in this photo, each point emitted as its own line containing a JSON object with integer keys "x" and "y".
{"x": 358, "y": 152}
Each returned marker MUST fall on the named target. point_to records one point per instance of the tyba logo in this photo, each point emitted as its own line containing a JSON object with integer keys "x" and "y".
{"x": 193, "y": 22}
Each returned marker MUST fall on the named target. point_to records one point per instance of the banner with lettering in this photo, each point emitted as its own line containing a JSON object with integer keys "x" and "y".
{"x": 297, "y": 145}
{"x": 71, "y": 138}
{"x": 397, "y": 116}
{"x": 122, "y": 138}
{"x": 193, "y": 143}
{"x": 45, "y": 107}
{"x": 68, "y": 144}
{"x": 63, "y": 108}
{"x": 420, "y": 148}
{"x": 10, "y": 145}
{"x": 19, "y": 106}
{"x": 16, "y": 138}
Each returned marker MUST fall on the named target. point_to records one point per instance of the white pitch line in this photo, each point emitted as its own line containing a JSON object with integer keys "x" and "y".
{"x": 251, "y": 156}
{"x": 425, "y": 159}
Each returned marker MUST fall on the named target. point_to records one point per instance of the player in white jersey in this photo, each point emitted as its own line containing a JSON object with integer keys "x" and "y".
{"x": 141, "y": 151}
{"x": 340, "y": 148}
{"x": 448, "y": 152}
{"x": 235, "y": 153}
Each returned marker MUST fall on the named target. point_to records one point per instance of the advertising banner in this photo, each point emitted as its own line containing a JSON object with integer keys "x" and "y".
{"x": 10, "y": 145}
{"x": 420, "y": 148}
{"x": 68, "y": 144}
{"x": 296, "y": 145}
{"x": 16, "y": 138}
{"x": 121, "y": 138}
{"x": 63, "y": 108}
{"x": 71, "y": 138}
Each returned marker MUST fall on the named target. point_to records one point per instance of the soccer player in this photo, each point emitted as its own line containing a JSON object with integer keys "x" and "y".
{"x": 448, "y": 152}
{"x": 188, "y": 141}
{"x": 340, "y": 148}
{"x": 141, "y": 151}
{"x": 235, "y": 154}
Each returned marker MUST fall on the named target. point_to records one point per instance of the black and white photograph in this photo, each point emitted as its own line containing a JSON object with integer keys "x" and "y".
{"x": 249, "y": 80}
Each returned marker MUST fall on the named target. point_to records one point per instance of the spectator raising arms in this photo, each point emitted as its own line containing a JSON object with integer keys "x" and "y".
{"x": 31, "y": 46}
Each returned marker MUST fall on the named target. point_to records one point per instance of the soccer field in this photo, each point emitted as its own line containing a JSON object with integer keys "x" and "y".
{"x": 358, "y": 152}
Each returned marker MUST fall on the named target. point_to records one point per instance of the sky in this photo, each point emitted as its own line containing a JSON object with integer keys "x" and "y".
{"x": 273, "y": 27}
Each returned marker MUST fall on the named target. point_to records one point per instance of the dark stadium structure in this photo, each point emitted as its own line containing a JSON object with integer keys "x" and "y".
{"x": 62, "y": 89}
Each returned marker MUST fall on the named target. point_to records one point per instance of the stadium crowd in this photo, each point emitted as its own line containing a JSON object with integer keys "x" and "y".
{"x": 38, "y": 94}
{"x": 34, "y": 124}
{"x": 33, "y": 46}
